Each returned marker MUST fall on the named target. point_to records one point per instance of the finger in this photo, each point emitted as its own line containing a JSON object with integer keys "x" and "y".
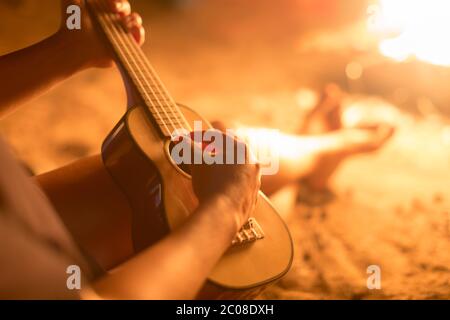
{"x": 249, "y": 156}
{"x": 134, "y": 24}
{"x": 219, "y": 125}
{"x": 134, "y": 19}
{"x": 138, "y": 34}
{"x": 122, "y": 7}
{"x": 196, "y": 150}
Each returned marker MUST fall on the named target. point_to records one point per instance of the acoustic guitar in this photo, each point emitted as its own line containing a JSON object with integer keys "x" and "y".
{"x": 137, "y": 155}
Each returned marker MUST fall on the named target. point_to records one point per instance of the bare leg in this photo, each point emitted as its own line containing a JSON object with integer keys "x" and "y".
{"x": 326, "y": 117}
{"x": 312, "y": 154}
{"x": 321, "y": 146}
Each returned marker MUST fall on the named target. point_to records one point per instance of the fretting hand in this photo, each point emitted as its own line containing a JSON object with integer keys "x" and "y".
{"x": 88, "y": 42}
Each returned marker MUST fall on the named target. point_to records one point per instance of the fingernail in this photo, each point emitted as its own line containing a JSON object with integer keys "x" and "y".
{"x": 119, "y": 5}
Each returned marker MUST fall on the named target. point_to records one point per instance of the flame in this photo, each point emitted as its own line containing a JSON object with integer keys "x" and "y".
{"x": 421, "y": 29}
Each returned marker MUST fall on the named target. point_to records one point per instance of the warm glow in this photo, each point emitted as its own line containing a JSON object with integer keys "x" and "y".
{"x": 271, "y": 143}
{"x": 421, "y": 29}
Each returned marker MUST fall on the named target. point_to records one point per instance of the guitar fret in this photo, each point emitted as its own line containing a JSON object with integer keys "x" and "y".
{"x": 172, "y": 127}
{"x": 167, "y": 120}
{"x": 148, "y": 86}
{"x": 167, "y": 110}
{"x": 141, "y": 73}
{"x": 165, "y": 117}
{"x": 157, "y": 100}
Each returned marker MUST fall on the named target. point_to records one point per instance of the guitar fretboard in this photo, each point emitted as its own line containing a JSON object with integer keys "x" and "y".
{"x": 152, "y": 91}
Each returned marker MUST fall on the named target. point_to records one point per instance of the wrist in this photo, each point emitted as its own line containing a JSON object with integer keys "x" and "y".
{"x": 224, "y": 213}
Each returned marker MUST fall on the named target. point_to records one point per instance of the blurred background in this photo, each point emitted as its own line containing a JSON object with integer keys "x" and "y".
{"x": 264, "y": 63}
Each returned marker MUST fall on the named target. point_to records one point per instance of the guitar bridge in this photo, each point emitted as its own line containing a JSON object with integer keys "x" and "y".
{"x": 250, "y": 232}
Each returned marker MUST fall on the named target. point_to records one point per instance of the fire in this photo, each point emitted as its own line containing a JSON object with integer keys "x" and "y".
{"x": 421, "y": 29}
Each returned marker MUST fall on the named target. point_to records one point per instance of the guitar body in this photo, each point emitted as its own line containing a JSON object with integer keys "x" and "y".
{"x": 161, "y": 197}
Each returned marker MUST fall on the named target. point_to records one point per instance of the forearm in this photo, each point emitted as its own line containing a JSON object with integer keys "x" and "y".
{"x": 177, "y": 266}
{"x": 96, "y": 214}
{"x": 33, "y": 70}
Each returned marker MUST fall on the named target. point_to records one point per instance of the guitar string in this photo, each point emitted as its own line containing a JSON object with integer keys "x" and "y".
{"x": 136, "y": 52}
{"x": 120, "y": 52}
{"x": 156, "y": 79}
{"x": 174, "y": 106}
{"x": 116, "y": 34}
{"x": 128, "y": 62}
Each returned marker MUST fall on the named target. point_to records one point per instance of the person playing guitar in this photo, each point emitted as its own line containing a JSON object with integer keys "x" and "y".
{"x": 78, "y": 215}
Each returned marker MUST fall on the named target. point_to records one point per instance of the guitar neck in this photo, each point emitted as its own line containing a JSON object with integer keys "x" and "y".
{"x": 162, "y": 108}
